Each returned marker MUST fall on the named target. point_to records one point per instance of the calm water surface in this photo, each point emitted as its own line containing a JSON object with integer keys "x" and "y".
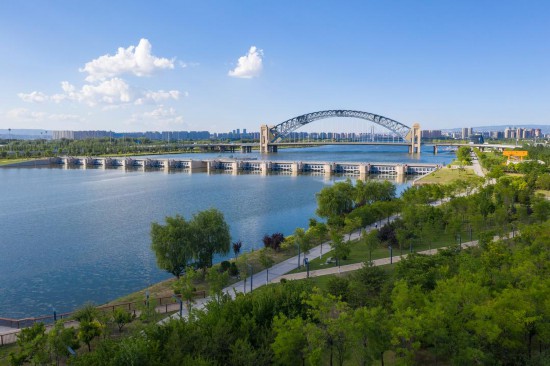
{"x": 68, "y": 236}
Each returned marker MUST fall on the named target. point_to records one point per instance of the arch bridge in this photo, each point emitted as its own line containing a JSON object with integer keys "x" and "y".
{"x": 273, "y": 136}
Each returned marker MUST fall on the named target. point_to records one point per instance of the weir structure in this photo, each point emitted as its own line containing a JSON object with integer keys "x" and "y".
{"x": 235, "y": 166}
{"x": 272, "y": 136}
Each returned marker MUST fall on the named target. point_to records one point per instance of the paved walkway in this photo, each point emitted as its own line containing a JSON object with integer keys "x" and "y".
{"x": 476, "y": 166}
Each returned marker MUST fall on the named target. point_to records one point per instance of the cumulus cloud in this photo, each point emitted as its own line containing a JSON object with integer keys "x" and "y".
{"x": 136, "y": 60}
{"x": 249, "y": 65}
{"x": 110, "y": 92}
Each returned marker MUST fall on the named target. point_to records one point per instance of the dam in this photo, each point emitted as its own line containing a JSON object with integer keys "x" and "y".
{"x": 249, "y": 165}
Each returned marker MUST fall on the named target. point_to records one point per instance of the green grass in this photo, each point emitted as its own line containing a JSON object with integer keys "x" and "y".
{"x": 543, "y": 192}
{"x": 359, "y": 252}
{"x": 164, "y": 288}
{"x": 14, "y": 161}
{"x": 5, "y": 351}
{"x": 446, "y": 175}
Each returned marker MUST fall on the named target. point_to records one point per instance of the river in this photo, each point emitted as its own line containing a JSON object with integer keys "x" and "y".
{"x": 68, "y": 236}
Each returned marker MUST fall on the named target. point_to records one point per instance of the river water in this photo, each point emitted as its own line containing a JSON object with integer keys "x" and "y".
{"x": 68, "y": 236}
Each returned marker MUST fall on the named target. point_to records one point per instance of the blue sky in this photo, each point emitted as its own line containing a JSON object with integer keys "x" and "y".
{"x": 221, "y": 65}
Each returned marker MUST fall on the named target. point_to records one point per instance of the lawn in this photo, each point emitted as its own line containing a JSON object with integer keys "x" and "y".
{"x": 13, "y": 161}
{"x": 447, "y": 175}
{"x": 359, "y": 252}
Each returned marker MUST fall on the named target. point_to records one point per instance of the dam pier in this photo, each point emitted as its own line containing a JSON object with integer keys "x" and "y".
{"x": 235, "y": 166}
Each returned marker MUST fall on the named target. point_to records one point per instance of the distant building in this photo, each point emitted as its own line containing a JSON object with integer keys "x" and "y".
{"x": 58, "y": 135}
{"x": 431, "y": 134}
{"x": 509, "y": 133}
{"x": 465, "y": 133}
{"x": 477, "y": 139}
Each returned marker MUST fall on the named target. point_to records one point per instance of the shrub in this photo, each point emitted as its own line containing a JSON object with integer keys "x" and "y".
{"x": 233, "y": 270}
{"x": 224, "y": 266}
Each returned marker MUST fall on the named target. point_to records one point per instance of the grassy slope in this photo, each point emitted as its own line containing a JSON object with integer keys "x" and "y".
{"x": 446, "y": 175}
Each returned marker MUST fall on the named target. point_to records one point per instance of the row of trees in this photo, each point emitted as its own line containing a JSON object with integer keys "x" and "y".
{"x": 484, "y": 305}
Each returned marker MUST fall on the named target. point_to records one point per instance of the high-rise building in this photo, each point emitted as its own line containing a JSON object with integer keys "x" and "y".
{"x": 508, "y": 133}
{"x": 465, "y": 133}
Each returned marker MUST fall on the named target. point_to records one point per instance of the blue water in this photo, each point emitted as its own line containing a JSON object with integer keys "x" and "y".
{"x": 68, "y": 236}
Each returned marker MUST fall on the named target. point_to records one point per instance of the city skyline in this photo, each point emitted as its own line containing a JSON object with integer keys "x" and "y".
{"x": 213, "y": 66}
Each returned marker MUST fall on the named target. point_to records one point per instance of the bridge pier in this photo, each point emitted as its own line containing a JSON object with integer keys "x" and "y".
{"x": 435, "y": 149}
{"x": 416, "y": 139}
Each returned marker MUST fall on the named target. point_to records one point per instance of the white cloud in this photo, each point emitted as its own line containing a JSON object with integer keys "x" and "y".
{"x": 136, "y": 60}
{"x": 33, "y": 97}
{"x": 23, "y": 114}
{"x": 249, "y": 65}
{"x": 160, "y": 118}
{"x": 158, "y": 96}
{"x": 112, "y": 92}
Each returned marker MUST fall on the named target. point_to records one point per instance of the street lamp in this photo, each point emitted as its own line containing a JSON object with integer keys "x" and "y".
{"x": 251, "y": 275}
{"x": 181, "y": 305}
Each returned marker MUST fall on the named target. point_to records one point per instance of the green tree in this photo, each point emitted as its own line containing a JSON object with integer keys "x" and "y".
{"x": 210, "y": 235}
{"x": 541, "y": 209}
{"x": 88, "y": 330}
{"x": 290, "y": 346}
{"x": 340, "y": 247}
{"x": 121, "y": 317}
{"x": 302, "y": 241}
{"x": 31, "y": 344}
{"x": 59, "y": 338}
{"x": 216, "y": 282}
{"x": 172, "y": 244}
{"x": 335, "y": 201}
{"x": 369, "y": 334}
{"x": 185, "y": 286}
{"x": 371, "y": 240}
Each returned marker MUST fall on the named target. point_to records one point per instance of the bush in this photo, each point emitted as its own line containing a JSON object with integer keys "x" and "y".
{"x": 224, "y": 266}
{"x": 338, "y": 286}
{"x": 233, "y": 270}
{"x": 274, "y": 241}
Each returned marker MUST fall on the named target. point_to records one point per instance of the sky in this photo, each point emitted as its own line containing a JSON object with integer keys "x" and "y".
{"x": 222, "y": 65}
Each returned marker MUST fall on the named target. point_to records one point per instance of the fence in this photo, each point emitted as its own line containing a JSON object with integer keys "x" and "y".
{"x": 163, "y": 305}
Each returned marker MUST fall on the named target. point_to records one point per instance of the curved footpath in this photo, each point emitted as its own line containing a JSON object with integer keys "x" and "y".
{"x": 278, "y": 272}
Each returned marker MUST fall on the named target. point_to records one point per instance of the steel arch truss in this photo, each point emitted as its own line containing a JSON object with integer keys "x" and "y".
{"x": 282, "y": 130}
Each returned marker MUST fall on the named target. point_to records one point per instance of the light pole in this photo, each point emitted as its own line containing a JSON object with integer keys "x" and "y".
{"x": 251, "y": 276}
{"x": 181, "y": 305}
{"x": 391, "y": 254}
{"x": 299, "y": 264}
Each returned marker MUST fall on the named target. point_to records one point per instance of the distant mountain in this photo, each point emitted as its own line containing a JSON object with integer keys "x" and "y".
{"x": 25, "y": 134}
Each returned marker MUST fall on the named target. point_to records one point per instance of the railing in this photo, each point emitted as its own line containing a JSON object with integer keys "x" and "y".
{"x": 162, "y": 307}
